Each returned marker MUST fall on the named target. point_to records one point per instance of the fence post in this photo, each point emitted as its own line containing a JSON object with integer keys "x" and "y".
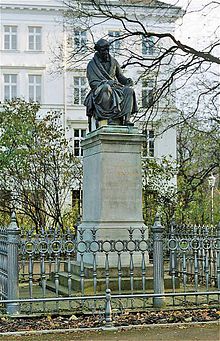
{"x": 108, "y": 309}
{"x": 13, "y": 236}
{"x": 158, "y": 271}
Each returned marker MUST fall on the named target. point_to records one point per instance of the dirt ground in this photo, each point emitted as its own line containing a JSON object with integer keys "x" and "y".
{"x": 191, "y": 332}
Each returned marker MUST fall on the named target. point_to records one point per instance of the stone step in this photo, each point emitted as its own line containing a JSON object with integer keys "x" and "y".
{"x": 62, "y": 289}
{"x": 101, "y": 283}
{"x": 100, "y": 272}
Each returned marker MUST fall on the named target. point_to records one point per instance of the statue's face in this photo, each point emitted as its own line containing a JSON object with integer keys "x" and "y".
{"x": 104, "y": 52}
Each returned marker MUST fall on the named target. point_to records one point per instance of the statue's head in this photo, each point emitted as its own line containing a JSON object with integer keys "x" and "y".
{"x": 102, "y": 47}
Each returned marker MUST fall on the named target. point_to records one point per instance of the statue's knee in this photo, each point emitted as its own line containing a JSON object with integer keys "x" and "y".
{"x": 130, "y": 91}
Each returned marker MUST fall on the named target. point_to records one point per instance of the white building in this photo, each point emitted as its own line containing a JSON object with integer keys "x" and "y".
{"x": 32, "y": 32}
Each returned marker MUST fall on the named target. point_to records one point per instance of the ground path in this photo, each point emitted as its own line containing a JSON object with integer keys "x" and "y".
{"x": 181, "y": 332}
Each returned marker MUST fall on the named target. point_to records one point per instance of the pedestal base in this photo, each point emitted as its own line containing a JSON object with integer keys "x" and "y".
{"x": 123, "y": 281}
{"x": 112, "y": 197}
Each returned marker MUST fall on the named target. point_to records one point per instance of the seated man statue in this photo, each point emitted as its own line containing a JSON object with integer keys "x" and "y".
{"x": 111, "y": 96}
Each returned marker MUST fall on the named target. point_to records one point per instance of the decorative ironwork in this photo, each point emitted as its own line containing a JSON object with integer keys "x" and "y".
{"x": 53, "y": 264}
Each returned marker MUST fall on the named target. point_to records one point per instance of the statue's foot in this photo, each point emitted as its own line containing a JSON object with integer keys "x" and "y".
{"x": 128, "y": 123}
{"x": 113, "y": 122}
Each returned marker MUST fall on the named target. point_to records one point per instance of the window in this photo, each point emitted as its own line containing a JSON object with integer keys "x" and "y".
{"x": 78, "y": 136}
{"x": 80, "y": 89}
{"x": 10, "y": 87}
{"x": 115, "y": 44}
{"x": 34, "y": 82}
{"x": 147, "y": 93}
{"x": 34, "y": 38}
{"x": 80, "y": 40}
{"x": 148, "y": 45}
{"x": 148, "y": 146}
{"x": 10, "y": 37}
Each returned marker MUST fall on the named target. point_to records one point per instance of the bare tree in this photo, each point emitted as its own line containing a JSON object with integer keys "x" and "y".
{"x": 184, "y": 77}
{"x": 176, "y": 78}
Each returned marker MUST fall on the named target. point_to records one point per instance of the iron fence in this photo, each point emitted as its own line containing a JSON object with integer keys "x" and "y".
{"x": 3, "y": 262}
{"x": 49, "y": 273}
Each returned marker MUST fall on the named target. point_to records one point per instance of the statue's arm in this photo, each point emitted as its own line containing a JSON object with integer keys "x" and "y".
{"x": 121, "y": 78}
{"x": 93, "y": 80}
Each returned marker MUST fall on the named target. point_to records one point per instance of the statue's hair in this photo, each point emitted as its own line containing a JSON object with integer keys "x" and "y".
{"x": 101, "y": 43}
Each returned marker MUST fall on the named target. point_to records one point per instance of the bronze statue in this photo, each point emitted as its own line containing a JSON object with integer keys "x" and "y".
{"x": 111, "y": 96}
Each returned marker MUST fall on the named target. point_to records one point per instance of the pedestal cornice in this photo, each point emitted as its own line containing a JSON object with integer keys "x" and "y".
{"x": 113, "y": 135}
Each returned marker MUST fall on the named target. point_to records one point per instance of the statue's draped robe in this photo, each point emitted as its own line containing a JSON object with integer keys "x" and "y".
{"x": 122, "y": 98}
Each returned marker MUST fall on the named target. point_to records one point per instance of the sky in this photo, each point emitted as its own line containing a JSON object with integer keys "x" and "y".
{"x": 201, "y": 23}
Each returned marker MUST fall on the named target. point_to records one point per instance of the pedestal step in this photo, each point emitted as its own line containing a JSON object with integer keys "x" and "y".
{"x": 88, "y": 270}
{"x": 100, "y": 282}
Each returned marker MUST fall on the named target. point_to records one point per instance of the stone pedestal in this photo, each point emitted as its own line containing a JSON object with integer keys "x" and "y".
{"x": 112, "y": 189}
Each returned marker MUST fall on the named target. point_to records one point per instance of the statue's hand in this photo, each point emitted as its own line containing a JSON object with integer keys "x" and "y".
{"x": 112, "y": 82}
{"x": 129, "y": 82}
